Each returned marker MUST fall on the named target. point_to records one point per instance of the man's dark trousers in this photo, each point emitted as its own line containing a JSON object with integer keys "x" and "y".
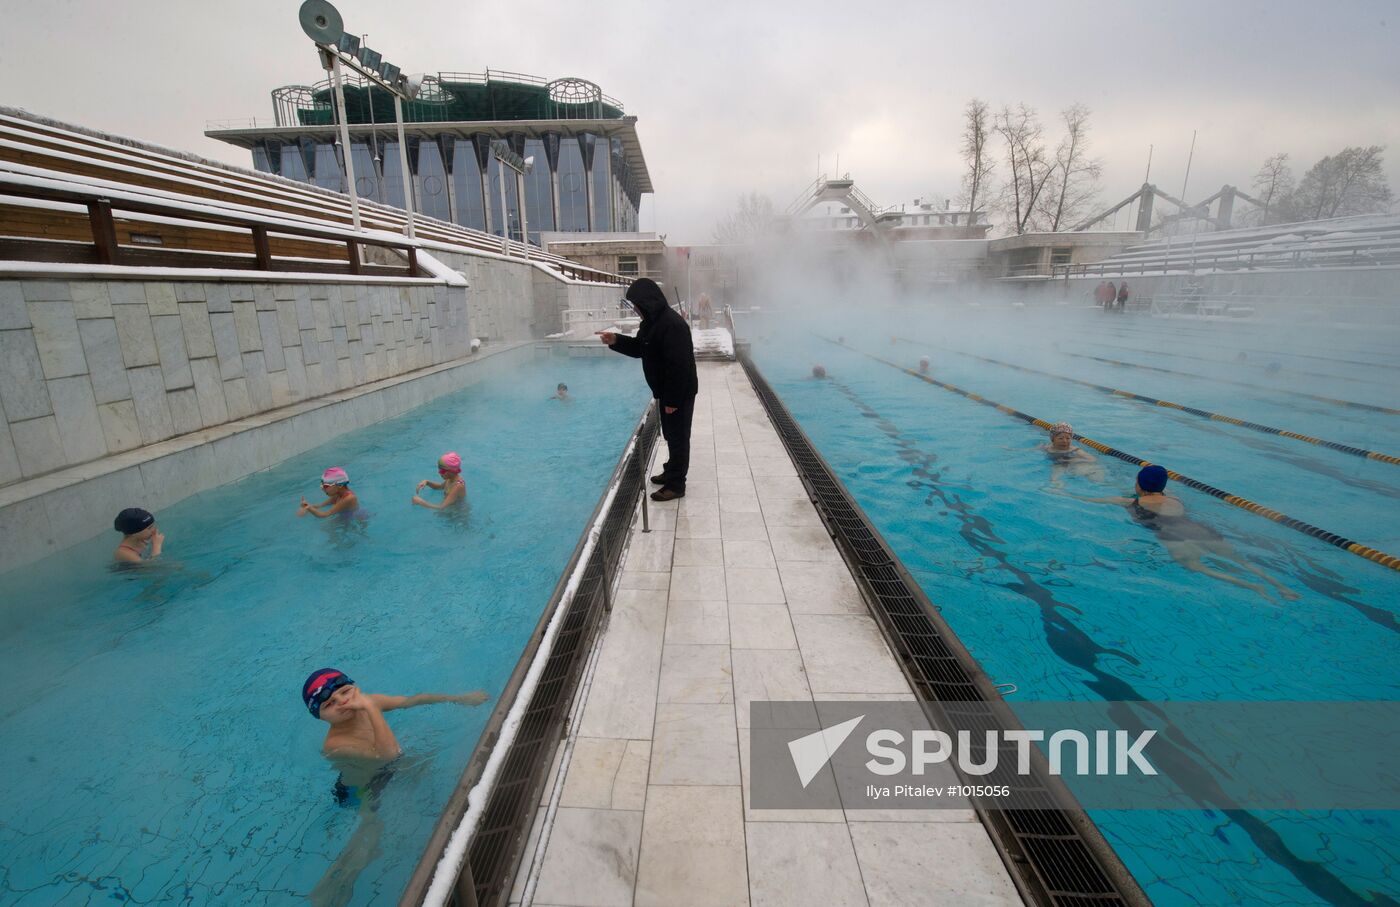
{"x": 675, "y": 428}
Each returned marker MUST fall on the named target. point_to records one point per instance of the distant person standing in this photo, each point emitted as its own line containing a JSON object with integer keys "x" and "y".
{"x": 707, "y": 310}
{"x": 1122, "y": 295}
{"x": 668, "y": 362}
{"x": 1110, "y": 293}
{"x": 1101, "y": 294}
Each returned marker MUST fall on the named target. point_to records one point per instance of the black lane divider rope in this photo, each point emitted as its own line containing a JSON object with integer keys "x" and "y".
{"x": 1259, "y": 387}
{"x": 1331, "y": 538}
{"x": 1295, "y": 371}
{"x": 1167, "y": 404}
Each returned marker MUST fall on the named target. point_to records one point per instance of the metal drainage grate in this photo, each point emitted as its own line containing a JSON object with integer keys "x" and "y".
{"x": 1056, "y": 855}
{"x": 494, "y": 853}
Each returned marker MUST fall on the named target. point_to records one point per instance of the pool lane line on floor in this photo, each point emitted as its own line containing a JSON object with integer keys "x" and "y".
{"x": 1370, "y": 407}
{"x": 1331, "y": 538}
{"x": 1167, "y": 404}
{"x": 1132, "y": 349}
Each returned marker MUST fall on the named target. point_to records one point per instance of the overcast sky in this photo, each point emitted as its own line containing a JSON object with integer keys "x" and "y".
{"x": 744, "y": 96}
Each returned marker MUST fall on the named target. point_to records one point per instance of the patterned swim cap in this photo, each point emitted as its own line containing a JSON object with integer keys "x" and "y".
{"x": 1061, "y": 428}
{"x": 319, "y": 687}
{"x": 335, "y": 476}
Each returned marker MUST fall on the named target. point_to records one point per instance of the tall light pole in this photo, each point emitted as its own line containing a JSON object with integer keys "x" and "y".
{"x": 323, "y": 25}
{"x": 509, "y": 159}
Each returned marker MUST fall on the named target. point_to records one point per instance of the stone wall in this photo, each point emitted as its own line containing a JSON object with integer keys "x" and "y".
{"x": 43, "y": 516}
{"x": 515, "y": 300}
{"x": 91, "y": 368}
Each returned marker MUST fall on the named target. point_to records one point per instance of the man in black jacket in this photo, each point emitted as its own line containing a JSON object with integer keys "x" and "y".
{"x": 668, "y": 363}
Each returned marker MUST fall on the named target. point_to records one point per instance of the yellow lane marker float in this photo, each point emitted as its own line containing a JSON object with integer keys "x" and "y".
{"x": 1331, "y": 538}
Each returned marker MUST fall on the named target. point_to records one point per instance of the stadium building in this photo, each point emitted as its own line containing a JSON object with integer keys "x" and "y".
{"x": 588, "y": 171}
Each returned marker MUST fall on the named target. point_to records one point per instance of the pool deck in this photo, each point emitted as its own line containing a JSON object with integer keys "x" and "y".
{"x": 737, "y": 593}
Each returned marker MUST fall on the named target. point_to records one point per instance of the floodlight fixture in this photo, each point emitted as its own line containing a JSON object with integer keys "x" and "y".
{"x": 323, "y": 25}
{"x": 321, "y": 22}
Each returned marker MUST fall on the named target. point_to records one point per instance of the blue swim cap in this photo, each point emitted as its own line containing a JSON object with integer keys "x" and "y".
{"x": 1152, "y": 479}
{"x": 319, "y": 687}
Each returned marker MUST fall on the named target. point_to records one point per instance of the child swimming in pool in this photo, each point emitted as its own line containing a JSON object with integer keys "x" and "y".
{"x": 141, "y": 539}
{"x": 452, "y": 486}
{"x": 363, "y": 748}
{"x": 358, "y": 731}
{"x": 340, "y": 500}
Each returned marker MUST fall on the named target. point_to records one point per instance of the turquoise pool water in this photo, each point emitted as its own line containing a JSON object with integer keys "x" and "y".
{"x": 155, "y": 744}
{"x": 1071, "y": 600}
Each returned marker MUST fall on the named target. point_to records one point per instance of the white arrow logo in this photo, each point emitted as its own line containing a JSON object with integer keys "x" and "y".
{"x": 811, "y": 753}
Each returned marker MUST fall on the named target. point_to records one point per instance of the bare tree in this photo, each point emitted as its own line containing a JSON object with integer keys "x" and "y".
{"x": 977, "y": 155}
{"x": 1348, "y": 182}
{"x": 751, "y": 219}
{"x": 1272, "y": 184}
{"x": 1072, "y": 185}
{"x": 1029, "y": 165}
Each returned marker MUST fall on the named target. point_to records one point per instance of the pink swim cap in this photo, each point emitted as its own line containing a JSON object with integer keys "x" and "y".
{"x": 450, "y": 461}
{"x": 335, "y": 476}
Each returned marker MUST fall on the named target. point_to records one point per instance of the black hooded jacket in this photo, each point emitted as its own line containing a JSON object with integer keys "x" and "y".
{"x": 663, "y": 344}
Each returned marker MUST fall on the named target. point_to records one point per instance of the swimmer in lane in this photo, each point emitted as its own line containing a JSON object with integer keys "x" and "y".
{"x": 452, "y": 486}
{"x": 141, "y": 540}
{"x": 1189, "y": 542}
{"x": 1069, "y": 458}
{"x": 361, "y": 746}
{"x": 561, "y": 392}
{"x": 340, "y": 500}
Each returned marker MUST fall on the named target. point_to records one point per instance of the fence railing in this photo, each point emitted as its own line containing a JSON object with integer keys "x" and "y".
{"x": 1371, "y": 253}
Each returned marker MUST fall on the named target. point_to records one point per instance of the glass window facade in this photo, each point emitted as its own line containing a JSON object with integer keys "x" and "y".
{"x": 539, "y": 194}
{"x": 499, "y": 174}
{"x": 328, "y": 175}
{"x": 393, "y": 182}
{"x": 432, "y": 182}
{"x": 573, "y": 188}
{"x": 366, "y": 175}
{"x": 602, "y": 185}
{"x": 466, "y": 185}
{"x": 584, "y": 165}
{"x": 292, "y": 166}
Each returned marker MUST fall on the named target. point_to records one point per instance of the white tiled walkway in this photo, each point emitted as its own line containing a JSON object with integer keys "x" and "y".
{"x": 737, "y": 594}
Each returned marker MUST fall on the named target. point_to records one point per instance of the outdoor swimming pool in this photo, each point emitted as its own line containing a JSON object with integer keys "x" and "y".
{"x": 155, "y": 745}
{"x": 1072, "y": 600}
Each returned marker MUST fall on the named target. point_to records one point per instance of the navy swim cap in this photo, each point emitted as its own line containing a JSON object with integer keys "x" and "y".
{"x": 132, "y": 520}
{"x": 319, "y": 687}
{"x": 1152, "y": 479}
